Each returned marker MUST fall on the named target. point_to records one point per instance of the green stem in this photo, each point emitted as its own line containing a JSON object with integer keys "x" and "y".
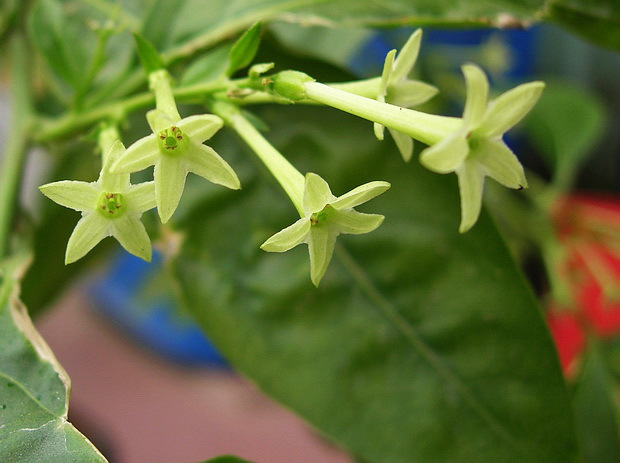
{"x": 291, "y": 180}
{"x": 75, "y": 122}
{"x": 159, "y": 83}
{"x": 107, "y": 136}
{"x": 428, "y": 128}
{"x": 18, "y": 141}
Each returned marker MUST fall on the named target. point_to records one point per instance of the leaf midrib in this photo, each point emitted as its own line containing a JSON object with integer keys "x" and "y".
{"x": 383, "y": 306}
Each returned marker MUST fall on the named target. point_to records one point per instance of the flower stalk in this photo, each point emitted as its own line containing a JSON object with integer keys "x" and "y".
{"x": 106, "y": 137}
{"x": 159, "y": 83}
{"x": 291, "y": 180}
{"x": 428, "y": 128}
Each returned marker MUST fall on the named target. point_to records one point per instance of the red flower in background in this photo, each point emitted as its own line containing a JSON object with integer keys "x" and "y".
{"x": 568, "y": 335}
{"x": 588, "y": 227}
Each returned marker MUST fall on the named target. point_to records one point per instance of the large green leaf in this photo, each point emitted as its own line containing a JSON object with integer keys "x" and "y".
{"x": 403, "y": 12}
{"x": 420, "y": 345}
{"x": 34, "y": 390}
{"x": 595, "y": 411}
{"x": 353, "y": 12}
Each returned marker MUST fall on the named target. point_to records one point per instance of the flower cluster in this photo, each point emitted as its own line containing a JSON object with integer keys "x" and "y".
{"x": 112, "y": 206}
{"x": 472, "y": 147}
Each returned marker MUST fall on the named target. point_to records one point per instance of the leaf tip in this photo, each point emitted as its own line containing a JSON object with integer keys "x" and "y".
{"x": 150, "y": 58}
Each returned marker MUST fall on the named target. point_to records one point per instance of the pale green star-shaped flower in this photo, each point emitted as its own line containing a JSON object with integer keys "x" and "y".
{"x": 176, "y": 148}
{"x": 476, "y": 149}
{"x": 326, "y": 217}
{"x": 397, "y": 89}
{"x": 111, "y": 206}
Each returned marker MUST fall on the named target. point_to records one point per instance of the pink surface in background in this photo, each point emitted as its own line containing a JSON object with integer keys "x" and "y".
{"x": 138, "y": 408}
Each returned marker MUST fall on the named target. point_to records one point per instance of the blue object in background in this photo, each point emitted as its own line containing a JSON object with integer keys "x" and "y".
{"x": 154, "y": 323}
{"x": 521, "y": 46}
{"x": 457, "y": 46}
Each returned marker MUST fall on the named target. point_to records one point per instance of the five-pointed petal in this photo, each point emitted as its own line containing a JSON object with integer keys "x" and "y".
{"x": 176, "y": 148}
{"x": 397, "y": 89}
{"x": 325, "y": 217}
{"x": 476, "y": 150}
{"x": 111, "y": 206}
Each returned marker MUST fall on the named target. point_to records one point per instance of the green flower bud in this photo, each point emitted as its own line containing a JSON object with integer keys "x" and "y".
{"x": 290, "y": 85}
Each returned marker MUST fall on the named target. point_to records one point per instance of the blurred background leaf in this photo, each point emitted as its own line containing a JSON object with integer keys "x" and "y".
{"x": 208, "y": 66}
{"x": 595, "y": 20}
{"x": 63, "y": 39}
{"x": 565, "y": 125}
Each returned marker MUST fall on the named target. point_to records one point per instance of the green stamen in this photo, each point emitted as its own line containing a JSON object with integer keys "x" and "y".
{"x": 111, "y": 205}
{"x": 321, "y": 216}
{"x": 172, "y": 140}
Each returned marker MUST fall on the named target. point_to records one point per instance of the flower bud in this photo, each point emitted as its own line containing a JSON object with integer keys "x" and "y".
{"x": 290, "y": 85}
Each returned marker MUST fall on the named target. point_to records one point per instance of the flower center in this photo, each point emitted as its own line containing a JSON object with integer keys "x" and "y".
{"x": 321, "y": 216}
{"x": 473, "y": 141}
{"x": 172, "y": 141}
{"x": 111, "y": 205}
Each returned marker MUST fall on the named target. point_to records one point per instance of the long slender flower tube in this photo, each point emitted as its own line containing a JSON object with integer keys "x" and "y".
{"x": 111, "y": 206}
{"x": 325, "y": 217}
{"x": 175, "y": 148}
{"x": 471, "y": 146}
